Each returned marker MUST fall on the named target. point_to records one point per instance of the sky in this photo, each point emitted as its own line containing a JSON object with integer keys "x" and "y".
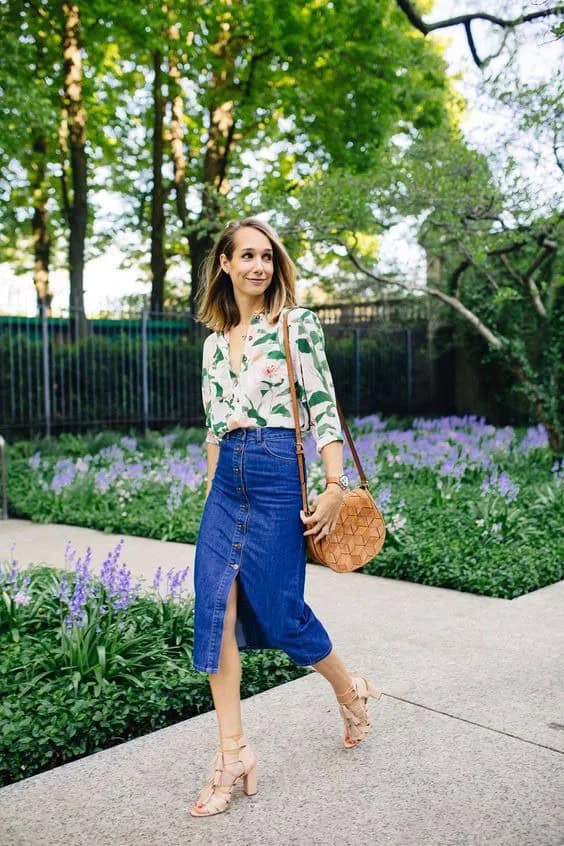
{"x": 105, "y": 283}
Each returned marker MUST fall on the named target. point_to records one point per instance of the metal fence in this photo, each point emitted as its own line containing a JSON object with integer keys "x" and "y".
{"x": 144, "y": 370}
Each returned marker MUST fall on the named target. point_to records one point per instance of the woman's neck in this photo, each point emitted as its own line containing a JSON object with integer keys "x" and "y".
{"x": 247, "y": 309}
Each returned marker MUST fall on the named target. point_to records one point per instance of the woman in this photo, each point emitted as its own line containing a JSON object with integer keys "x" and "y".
{"x": 251, "y": 548}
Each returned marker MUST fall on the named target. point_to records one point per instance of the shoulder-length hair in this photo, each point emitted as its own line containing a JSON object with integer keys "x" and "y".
{"x": 217, "y": 308}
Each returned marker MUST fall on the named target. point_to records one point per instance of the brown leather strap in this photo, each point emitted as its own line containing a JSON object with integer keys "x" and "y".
{"x": 299, "y": 444}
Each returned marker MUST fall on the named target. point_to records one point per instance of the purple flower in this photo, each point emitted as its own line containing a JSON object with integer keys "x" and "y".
{"x": 384, "y": 497}
{"x": 128, "y": 443}
{"x": 535, "y": 438}
{"x": 157, "y": 579}
{"x": 35, "y": 461}
{"x": 500, "y": 484}
{"x": 70, "y": 554}
{"x": 108, "y": 574}
{"x": 63, "y": 590}
{"x": 177, "y": 582}
{"x": 63, "y": 476}
{"x": 558, "y": 471}
{"x": 22, "y": 598}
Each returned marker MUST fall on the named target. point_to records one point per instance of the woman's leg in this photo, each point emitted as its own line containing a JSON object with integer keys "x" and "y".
{"x": 352, "y": 696}
{"x": 236, "y": 759}
{"x": 226, "y": 683}
{"x": 333, "y": 669}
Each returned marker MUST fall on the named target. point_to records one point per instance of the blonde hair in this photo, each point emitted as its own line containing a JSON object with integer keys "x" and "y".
{"x": 217, "y": 308}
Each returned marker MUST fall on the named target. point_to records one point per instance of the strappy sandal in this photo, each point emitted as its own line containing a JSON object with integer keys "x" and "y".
{"x": 235, "y": 760}
{"x": 353, "y": 705}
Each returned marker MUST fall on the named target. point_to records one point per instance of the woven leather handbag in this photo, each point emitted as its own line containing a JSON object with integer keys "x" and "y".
{"x": 360, "y": 531}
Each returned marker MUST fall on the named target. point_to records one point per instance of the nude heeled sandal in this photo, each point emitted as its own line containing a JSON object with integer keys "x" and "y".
{"x": 353, "y": 705}
{"x": 235, "y": 760}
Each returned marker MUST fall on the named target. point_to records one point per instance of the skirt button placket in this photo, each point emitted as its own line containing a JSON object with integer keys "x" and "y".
{"x": 237, "y": 545}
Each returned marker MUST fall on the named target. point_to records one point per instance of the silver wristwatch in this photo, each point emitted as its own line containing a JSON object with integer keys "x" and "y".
{"x": 342, "y": 481}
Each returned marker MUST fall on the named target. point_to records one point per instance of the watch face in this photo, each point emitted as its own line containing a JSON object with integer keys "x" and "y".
{"x": 344, "y": 481}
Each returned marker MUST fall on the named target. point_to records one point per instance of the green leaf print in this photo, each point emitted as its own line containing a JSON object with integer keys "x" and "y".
{"x": 275, "y": 354}
{"x": 254, "y": 415}
{"x": 326, "y": 427}
{"x": 281, "y": 409}
{"x": 218, "y": 389}
{"x": 319, "y": 396}
{"x": 265, "y": 339}
{"x": 303, "y": 345}
{"x": 218, "y": 356}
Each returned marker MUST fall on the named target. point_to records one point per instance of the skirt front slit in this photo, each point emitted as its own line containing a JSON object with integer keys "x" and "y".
{"x": 251, "y": 530}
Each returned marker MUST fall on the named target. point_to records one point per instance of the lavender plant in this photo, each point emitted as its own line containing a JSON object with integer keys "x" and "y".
{"x": 102, "y": 628}
{"x": 460, "y": 496}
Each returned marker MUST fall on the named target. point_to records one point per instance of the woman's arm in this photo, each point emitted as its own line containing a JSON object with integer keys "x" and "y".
{"x": 332, "y": 456}
{"x": 213, "y": 455}
{"x": 212, "y": 441}
{"x": 328, "y": 504}
{"x": 320, "y": 398}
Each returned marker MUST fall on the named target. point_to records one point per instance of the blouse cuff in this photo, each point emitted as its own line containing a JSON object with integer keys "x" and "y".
{"x": 211, "y": 438}
{"x": 328, "y": 438}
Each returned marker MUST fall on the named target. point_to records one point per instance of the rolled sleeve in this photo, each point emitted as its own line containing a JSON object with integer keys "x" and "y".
{"x": 211, "y": 438}
{"x": 317, "y": 382}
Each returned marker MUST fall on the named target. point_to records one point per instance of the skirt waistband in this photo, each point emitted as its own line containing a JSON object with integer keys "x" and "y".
{"x": 257, "y": 433}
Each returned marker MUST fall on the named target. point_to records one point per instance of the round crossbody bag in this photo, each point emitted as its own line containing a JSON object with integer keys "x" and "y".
{"x": 360, "y": 531}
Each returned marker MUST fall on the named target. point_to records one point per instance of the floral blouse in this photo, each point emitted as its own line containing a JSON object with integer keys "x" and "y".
{"x": 260, "y": 394}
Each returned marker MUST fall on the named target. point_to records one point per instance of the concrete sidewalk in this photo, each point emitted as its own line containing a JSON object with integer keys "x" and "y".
{"x": 466, "y": 747}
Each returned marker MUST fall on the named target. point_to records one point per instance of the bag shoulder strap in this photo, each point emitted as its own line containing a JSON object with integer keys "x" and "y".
{"x": 299, "y": 444}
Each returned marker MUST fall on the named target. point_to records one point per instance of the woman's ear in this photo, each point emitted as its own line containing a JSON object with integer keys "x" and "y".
{"x": 224, "y": 262}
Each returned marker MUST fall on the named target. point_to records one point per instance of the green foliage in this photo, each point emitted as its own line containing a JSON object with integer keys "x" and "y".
{"x": 65, "y": 694}
{"x": 270, "y": 92}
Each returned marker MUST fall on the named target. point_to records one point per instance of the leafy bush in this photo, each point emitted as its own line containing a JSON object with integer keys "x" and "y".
{"x": 467, "y": 505}
{"x": 87, "y": 662}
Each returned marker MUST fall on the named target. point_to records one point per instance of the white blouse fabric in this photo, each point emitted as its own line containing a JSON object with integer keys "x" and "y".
{"x": 260, "y": 394}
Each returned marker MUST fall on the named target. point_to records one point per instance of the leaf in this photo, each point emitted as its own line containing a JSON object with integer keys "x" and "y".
{"x": 319, "y": 396}
{"x": 303, "y": 345}
{"x": 281, "y": 409}
{"x": 254, "y": 415}
{"x": 265, "y": 339}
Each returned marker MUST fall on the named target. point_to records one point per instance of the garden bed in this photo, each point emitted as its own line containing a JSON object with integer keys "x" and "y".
{"x": 90, "y": 661}
{"x": 467, "y": 505}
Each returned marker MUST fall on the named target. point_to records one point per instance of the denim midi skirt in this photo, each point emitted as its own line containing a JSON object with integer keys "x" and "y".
{"x": 251, "y": 530}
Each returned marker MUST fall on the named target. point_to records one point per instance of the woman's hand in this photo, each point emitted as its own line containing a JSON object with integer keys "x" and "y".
{"x": 326, "y": 512}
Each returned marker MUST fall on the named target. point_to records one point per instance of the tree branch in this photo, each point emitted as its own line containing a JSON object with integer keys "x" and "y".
{"x": 453, "y": 302}
{"x": 533, "y": 289}
{"x": 415, "y": 19}
{"x": 456, "y": 277}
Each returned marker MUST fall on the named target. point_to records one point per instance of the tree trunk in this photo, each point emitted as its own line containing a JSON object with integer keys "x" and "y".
{"x": 76, "y": 119}
{"x": 177, "y": 132}
{"x": 215, "y": 168}
{"x": 40, "y": 233}
{"x": 158, "y": 261}
{"x": 554, "y": 432}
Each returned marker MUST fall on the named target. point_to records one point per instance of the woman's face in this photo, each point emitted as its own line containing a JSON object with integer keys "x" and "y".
{"x": 251, "y": 266}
